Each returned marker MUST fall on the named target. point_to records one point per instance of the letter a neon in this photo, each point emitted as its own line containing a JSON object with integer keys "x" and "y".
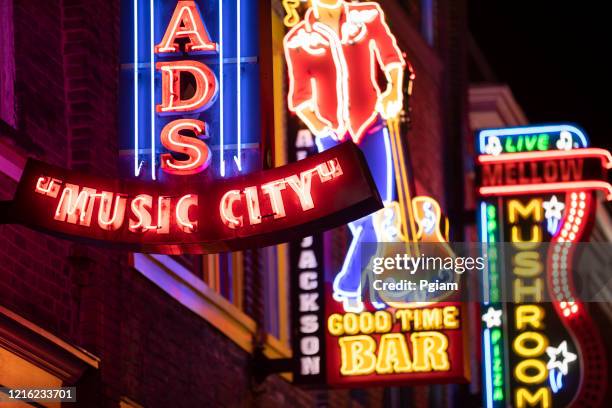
{"x": 186, "y": 22}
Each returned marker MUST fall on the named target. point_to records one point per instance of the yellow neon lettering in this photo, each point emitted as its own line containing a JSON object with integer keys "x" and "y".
{"x": 450, "y": 317}
{"x": 524, "y": 398}
{"x": 527, "y": 264}
{"x": 335, "y": 325}
{"x": 357, "y": 355}
{"x": 521, "y": 292}
{"x": 520, "y": 344}
{"x": 531, "y": 315}
{"x": 393, "y": 354}
{"x": 532, "y": 210}
{"x": 532, "y": 365}
{"x": 429, "y": 351}
{"x": 351, "y": 323}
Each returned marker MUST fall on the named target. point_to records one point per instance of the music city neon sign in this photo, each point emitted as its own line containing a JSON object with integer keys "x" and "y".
{"x": 261, "y": 208}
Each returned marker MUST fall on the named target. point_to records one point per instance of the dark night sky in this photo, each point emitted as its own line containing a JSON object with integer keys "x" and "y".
{"x": 554, "y": 55}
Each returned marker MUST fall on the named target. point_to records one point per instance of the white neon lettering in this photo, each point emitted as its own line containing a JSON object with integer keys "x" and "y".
{"x": 140, "y": 207}
{"x": 302, "y": 186}
{"x": 163, "y": 215}
{"x": 182, "y": 212}
{"x": 252, "y": 200}
{"x": 226, "y": 209}
{"x": 273, "y": 190}
{"x": 77, "y": 209}
{"x": 308, "y": 280}
{"x": 105, "y": 221}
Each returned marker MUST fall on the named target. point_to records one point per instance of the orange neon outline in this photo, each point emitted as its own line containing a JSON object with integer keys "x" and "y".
{"x": 194, "y": 29}
{"x": 342, "y": 79}
{"x": 548, "y": 188}
{"x": 592, "y": 152}
{"x": 185, "y": 144}
{"x": 206, "y": 88}
{"x": 182, "y": 214}
{"x": 417, "y": 206}
{"x": 291, "y": 17}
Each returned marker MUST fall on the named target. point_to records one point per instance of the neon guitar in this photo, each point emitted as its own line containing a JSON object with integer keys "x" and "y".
{"x": 411, "y": 221}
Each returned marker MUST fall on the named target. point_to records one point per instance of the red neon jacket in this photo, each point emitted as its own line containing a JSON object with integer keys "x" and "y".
{"x": 336, "y": 75}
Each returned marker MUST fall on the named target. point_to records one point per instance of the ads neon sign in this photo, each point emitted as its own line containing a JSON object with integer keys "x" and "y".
{"x": 189, "y": 83}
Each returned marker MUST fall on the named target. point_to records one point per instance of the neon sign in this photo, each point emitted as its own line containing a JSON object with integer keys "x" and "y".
{"x": 530, "y": 138}
{"x": 539, "y": 183}
{"x": 259, "y": 209}
{"x": 416, "y": 344}
{"x": 189, "y": 79}
{"x": 334, "y": 51}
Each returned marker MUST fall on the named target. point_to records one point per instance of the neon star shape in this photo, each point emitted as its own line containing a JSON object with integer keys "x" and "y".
{"x": 492, "y": 318}
{"x": 553, "y": 208}
{"x": 555, "y": 362}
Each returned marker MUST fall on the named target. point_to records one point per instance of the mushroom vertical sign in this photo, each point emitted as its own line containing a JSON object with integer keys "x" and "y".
{"x": 538, "y": 188}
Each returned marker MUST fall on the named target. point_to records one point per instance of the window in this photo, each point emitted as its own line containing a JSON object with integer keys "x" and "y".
{"x": 7, "y": 64}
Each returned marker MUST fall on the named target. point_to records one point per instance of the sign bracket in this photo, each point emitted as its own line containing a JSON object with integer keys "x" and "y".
{"x": 263, "y": 366}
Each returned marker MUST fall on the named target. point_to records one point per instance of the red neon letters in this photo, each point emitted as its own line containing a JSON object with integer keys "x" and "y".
{"x": 205, "y": 87}
{"x": 186, "y": 24}
{"x": 235, "y": 203}
{"x": 76, "y": 206}
{"x": 198, "y": 151}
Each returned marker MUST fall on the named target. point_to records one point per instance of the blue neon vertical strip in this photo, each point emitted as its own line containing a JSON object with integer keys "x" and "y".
{"x": 484, "y": 238}
{"x": 221, "y": 119}
{"x": 487, "y": 362}
{"x": 152, "y": 83}
{"x": 238, "y": 158}
{"x": 389, "y": 164}
{"x": 136, "y": 130}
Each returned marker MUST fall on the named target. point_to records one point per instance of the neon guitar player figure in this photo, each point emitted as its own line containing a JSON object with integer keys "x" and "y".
{"x": 333, "y": 57}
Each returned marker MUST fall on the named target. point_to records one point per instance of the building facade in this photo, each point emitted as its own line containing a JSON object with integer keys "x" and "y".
{"x": 132, "y": 330}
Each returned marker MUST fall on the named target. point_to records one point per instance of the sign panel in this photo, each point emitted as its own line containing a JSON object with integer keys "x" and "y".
{"x": 308, "y": 290}
{"x": 262, "y": 208}
{"x": 190, "y": 88}
{"x": 411, "y": 345}
{"x": 538, "y": 185}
